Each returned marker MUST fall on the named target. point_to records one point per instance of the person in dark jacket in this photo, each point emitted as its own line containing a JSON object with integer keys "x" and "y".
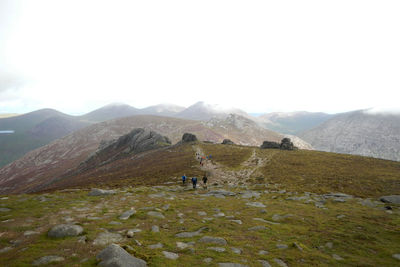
{"x": 194, "y": 182}
{"x": 205, "y": 181}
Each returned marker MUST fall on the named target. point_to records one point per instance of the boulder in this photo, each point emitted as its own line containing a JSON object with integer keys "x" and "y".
{"x": 270, "y": 144}
{"x": 286, "y": 144}
{"x": 395, "y": 199}
{"x": 127, "y": 214}
{"x": 188, "y": 137}
{"x": 115, "y": 256}
{"x": 64, "y": 230}
{"x": 107, "y": 238}
{"x": 227, "y": 142}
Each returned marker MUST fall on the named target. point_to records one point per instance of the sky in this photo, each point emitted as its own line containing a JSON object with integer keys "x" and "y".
{"x": 259, "y": 56}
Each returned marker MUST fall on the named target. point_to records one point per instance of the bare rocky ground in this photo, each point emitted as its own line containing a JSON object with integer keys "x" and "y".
{"x": 174, "y": 225}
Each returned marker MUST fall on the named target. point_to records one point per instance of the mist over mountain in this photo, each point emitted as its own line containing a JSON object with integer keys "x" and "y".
{"x": 358, "y": 132}
{"x": 292, "y": 122}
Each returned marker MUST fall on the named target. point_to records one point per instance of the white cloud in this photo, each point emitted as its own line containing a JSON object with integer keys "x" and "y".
{"x": 257, "y": 56}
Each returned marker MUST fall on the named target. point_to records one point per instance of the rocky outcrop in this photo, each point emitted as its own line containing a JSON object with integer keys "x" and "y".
{"x": 391, "y": 199}
{"x": 227, "y": 142}
{"x": 269, "y": 144}
{"x": 188, "y": 137}
{"x": 286, "y": 144}
{"x": 138, "y": 140}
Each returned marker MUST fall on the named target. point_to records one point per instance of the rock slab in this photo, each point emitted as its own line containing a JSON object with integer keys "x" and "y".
{"x": 64, "y": 230}
{"x": 115, "y": 256}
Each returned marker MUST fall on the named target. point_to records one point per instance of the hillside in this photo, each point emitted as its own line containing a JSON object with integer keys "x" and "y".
{"x": 50, "y": 161}
{"x": 33, "y": 130}
{"x": 292, "y": 122}
{"x": 261, "y": 208}
{"x": 359, "y": 133}
{"x": 109, "y": 112}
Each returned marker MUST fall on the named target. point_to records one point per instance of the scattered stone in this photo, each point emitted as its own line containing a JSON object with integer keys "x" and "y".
{"x": 100, "y": 192}
{"x": 230, "y": 264}
{"x": 227, "y": 142}
{"x": 93, "y": 218}
{"x": 337, "y": 257}
{"x": 208, "y": 260}
{"x": 5, "y": 249}
{"x": 280, "y": 262}
{"x": 202, "y": 213}
{"x": 82, "y": 239}
{"x": 263, "y": 252}
{"x": 213, "y": 240}
{"x": 170, "y": 255}
{"x": 217, "y": 249}
{"x": 220, "y": 193}
{"x": 390, "y": 199}
{"x": 107, "y": 238}
{"x": 155, "y": 246}
{"x": 114, "y": 255}
{"x": 5, "y": 209}
{"x": 257, "y": 228}
{"x": 166, "y": 207}
{"x": 341, "y": 216}
{"x": 329, "y": 245}
{"x": 297, "y": 246}
{"x": 236, "y": 250}
{"x": 219, "y": 214}
{"x": 278, "y": 217}
{"x": 190, "y": 234}
{"x": 265, "y": 221}
{"x": 47, "y": 259}
{"x": 127, "y": 214}
{"x": 263, "y": 211}
{"x": 237, "y": 221}
{"x": 64, "y": 230}
{"x": 256, "y": 204}
{"x": 264, "y": 263}
{"x": 156, "y": 214}
{"x": 28, "y": 233}
{"x": 155, "y": 229}
{"x": 281, "y": 246}
{"x": 115, "y": 223}
{"x": 182, "y": 245}
{"x": 250, "y": 194}
{"x": 396, "y": 256}
{"x": 131, "y": 232}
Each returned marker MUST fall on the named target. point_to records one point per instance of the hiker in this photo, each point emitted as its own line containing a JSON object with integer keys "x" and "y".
{"x": 194, "y": 182}
{"x": 183, "y": 179}
{"x": 205, "y": 181}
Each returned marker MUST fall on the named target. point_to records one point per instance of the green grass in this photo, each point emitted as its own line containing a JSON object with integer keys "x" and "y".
{"x": 230, "y": 156}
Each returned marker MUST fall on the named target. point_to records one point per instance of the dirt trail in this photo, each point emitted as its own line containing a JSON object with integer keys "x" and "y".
{"x": 218, "y": 173}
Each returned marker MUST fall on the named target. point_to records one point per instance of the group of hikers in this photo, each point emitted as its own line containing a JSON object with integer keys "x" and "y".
{"x": 194, "y": 181}
{"x": 201, "y": 159}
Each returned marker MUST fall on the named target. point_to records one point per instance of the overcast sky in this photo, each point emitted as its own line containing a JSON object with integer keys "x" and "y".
{"x": 260, "y": 56}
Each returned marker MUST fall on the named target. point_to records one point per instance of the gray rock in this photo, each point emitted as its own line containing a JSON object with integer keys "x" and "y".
{"x": 202, "y": 213}
{"x": 256, "y": 204}
{"x": 170, "y": 255}
{"x": 237, "y": 221}
{"x": 82, "y": 239}
{"x": 28, "y": 233}
{"x": 100, "y": 192}
{"x": 263, "y": 252}
{"x": 64, "y": 230}
{"x": 250, "y": 194}
{"x": 127, "y": 214}
{"x": 5, "y": 209}
{"x": 278, "y": 217}
{"x": 156, "y": 246}
{"x": 190, "y": 234}
{"x": 131, "y": 232}
{"x": 270, "y": 144}
{"x": 107, "y": 238}
{"x": 114, "y": 223}
{"x": 281, "y": 246}
{"x": 217, "y": 249}
{"x": 208, "y": 260}
{"x": 166, "y": 207}
{"x": 155, "y": 229}
{"x": 257, "y": 228}
{"x": 156, "y": 214}
{"x": 329, "y": 245}
{"x": 227, "y": 142}
{"x": 115, "y": 256}
{"x": 337, "y": 257}
{"x": 265, "y": 221}
{"x": 182, "y": 245}
{"x": 5, "y": 249}
{"x": 396, "y": 256}
{"x": 280, "y": 262}
{"x": 220, "y": 192}
{"x": 236, "y": 250}
{"x": 395, "y": 199}
{"x": 230, "y": 264}
{"x": 48, "y": 259}
{"x": 264, "y": 263}
{"x": 188, "y": 137}
{"x": 213, "y": 240}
